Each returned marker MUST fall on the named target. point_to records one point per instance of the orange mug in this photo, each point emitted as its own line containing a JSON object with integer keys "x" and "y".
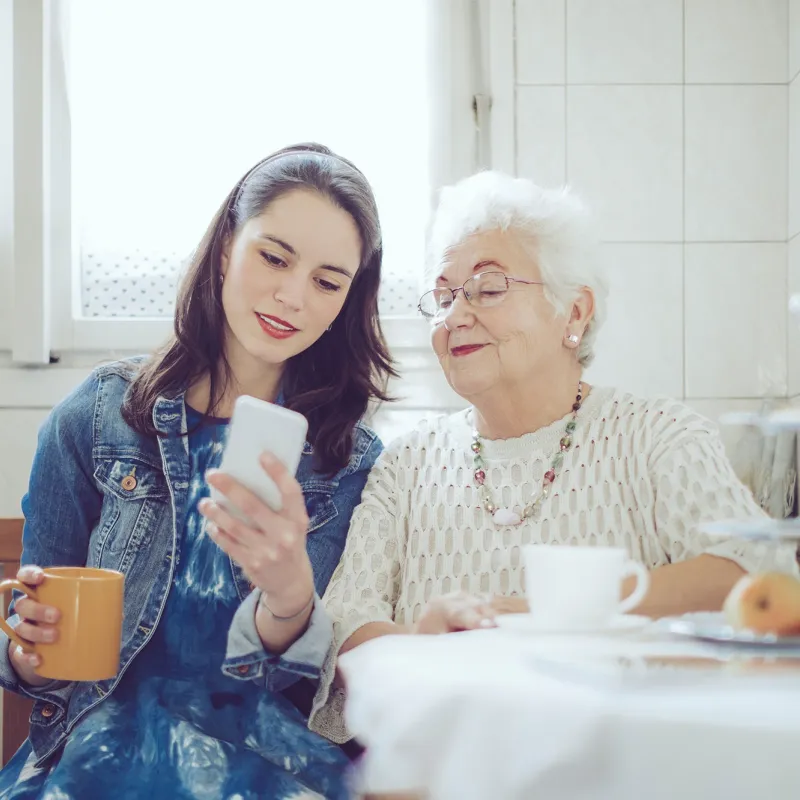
{"x": 90, "y": 627}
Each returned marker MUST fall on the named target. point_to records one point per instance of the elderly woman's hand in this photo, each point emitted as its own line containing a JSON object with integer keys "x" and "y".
{"x": 272, "y": 549}
{"x": 455, "y": 612}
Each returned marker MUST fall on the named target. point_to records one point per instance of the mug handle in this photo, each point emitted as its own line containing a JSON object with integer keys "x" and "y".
{"x": 12, "y": 583}
{"x": 642, "y": 585}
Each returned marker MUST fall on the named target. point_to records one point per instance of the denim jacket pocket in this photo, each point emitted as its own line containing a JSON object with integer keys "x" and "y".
{"x": 136, "y": 495}
{"x": 319, "y": 504}
{"x": 131, "y": 479}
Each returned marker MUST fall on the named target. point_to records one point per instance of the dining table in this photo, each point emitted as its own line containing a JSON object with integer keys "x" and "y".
{"x": 637, "y": 711}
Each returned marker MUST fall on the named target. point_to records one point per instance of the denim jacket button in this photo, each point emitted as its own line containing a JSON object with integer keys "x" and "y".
{"x": 48, "y": 711}
{"x": 242, "y": 669}
{"x": 128, "y": 483}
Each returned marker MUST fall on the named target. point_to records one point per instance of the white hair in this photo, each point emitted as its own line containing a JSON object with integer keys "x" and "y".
{"x": 553, "y": 224}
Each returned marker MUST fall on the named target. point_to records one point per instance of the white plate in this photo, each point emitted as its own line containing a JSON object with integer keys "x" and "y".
{"x": 710, "y": 626}
{"x": 527, "y": 623}
{"x": 755, "y": 530}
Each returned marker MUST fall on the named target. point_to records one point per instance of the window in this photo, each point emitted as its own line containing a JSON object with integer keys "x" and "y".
{"x": 171, "y": 102}
{"x": 132, "y": 119}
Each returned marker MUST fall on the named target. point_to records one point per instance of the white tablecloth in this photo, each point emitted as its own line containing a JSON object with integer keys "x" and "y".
{"x": 496, "y": 715}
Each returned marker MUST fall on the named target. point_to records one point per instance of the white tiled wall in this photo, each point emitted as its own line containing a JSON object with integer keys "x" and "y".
{"x": 641, "y": 320}
{"x": 673, "y": 119}
{"x": 629, "y": 138}
{"x": 735, "y": 41}
{"x": 18, "y": 429}
{"x": 728, "y": 287}
{"x": 735, "y": 183}
{"x": 612, "y": 42}
{"x": 6, "y": 173}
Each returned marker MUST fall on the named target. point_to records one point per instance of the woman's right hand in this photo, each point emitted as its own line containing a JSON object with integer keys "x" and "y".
{"x": 455, "y": 612}
{"x": 37, "y": 624}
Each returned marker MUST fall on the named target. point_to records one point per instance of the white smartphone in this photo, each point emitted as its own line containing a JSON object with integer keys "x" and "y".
{"x": 257, "y": 427}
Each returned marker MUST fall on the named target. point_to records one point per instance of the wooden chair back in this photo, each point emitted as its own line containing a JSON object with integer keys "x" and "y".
{"x": 16, "y": 709}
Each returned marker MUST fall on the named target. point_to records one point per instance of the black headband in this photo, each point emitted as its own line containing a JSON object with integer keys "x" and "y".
{"x": 282, "y": 154}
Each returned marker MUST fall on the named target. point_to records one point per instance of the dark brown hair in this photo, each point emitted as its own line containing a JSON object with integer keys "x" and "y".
{"x": 332, "y": 382}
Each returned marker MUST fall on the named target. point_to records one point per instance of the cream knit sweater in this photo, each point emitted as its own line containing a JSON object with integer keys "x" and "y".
{"x": 641, "y": 474}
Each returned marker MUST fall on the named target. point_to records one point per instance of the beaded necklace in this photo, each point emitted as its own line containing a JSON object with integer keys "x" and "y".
{"x": 507, "y": 516}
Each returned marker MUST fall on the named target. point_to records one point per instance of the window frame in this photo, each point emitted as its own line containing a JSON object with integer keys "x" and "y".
{"x": 469, "y": 131}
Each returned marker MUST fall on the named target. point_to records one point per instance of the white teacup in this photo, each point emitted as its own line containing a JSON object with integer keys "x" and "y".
{"x": 578, "y": 588}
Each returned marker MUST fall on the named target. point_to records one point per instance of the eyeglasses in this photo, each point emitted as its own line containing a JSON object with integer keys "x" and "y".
{"x": 483, "y": 290}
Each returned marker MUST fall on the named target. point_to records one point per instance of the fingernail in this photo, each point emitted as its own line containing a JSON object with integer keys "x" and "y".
{"x": 48, "y": 636}
{"x": 211, "y": 475}
{"x": 288, "y": 538}
{"x": 487, "y": 623}
{"x": 51, "y": 615}
{"x": 267, "y": 459}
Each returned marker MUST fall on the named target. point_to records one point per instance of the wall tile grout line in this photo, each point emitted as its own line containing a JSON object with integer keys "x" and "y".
{"x": 566, "y": 93}
{"x": 787, "y": 282}
{"x": 683, "y": 197}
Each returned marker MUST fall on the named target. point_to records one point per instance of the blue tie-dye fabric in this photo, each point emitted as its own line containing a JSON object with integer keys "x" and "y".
{"x": 176, "y": 727}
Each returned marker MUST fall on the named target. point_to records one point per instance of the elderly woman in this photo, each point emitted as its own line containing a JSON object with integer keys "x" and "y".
{"x": 540, "y": 456}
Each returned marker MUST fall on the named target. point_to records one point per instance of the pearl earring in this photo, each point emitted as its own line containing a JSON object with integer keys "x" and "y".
{"x": 573, "y": 338}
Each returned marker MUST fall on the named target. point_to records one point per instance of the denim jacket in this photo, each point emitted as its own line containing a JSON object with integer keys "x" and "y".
{"x": 78, "y": 512}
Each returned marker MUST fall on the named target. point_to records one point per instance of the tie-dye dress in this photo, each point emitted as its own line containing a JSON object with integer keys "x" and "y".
{"x": 176, "y": 726}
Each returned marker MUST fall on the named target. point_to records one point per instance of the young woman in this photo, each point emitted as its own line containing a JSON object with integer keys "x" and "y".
{"x": 280, "y": 302}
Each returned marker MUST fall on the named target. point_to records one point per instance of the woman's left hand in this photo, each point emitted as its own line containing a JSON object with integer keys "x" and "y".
{"x": 272, "y": 549}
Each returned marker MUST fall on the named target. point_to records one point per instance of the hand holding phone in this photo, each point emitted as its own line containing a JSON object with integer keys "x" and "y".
{"x": 257, "y": 512}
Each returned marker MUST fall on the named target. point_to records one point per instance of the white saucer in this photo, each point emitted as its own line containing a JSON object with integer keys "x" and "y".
{"x": 711, "y": 626}
{"x": 527, "y": 623}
